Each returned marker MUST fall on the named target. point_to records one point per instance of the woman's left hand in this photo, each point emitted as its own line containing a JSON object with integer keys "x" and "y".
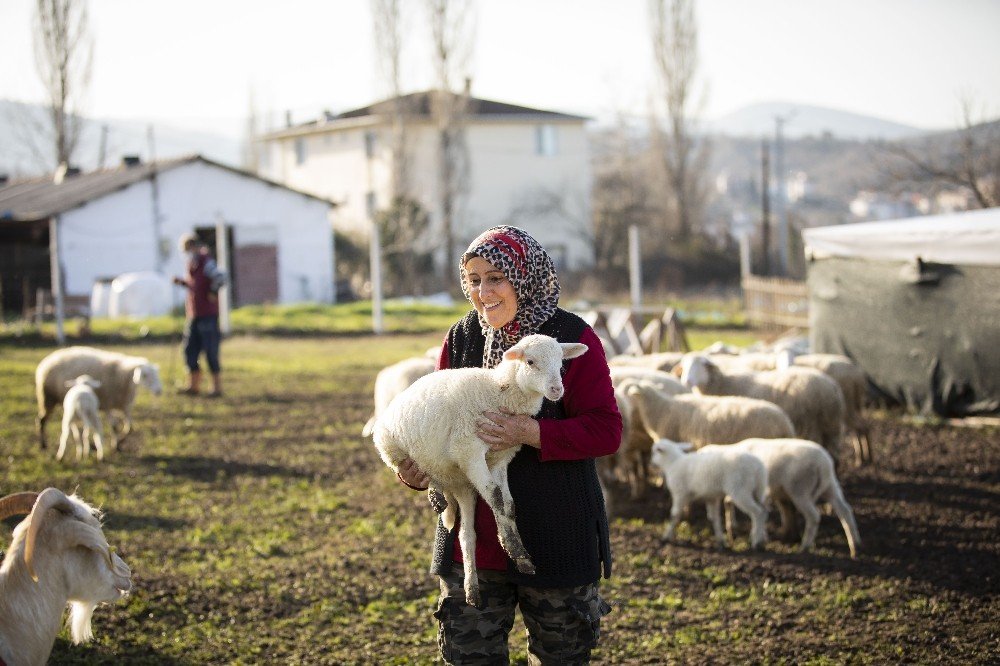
{"x": 503, "y": 431}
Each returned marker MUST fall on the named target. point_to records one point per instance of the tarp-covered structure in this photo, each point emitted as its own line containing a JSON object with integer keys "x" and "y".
{"x": 916, "y": 303}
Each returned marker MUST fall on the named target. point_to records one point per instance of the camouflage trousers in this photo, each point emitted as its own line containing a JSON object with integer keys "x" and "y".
{"x": 563, "y": 624}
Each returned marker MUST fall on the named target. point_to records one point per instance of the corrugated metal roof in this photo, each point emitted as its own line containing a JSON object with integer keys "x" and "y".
{"x": 41, "y": 198}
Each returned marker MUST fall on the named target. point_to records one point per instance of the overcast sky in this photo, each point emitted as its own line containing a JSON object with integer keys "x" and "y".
{"x": 195, "y": 61}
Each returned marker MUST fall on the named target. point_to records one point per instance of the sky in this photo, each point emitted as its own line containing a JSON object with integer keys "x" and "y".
{"x": 197, "y": 63}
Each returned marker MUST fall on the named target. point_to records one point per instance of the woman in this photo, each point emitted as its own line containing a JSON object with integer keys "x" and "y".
{"x": 512, "y": 284}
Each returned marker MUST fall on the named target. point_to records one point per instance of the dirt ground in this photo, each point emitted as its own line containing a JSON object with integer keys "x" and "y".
{"x": 923, "y": 590}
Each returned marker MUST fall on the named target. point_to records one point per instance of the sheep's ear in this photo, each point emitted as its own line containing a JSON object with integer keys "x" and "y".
{"x": 137, "y": 374}
{"x": 573, "y": 349}
{"x": 70, "y": 383}
{"x": 685, "y": 446}
{"x": 94, "y": 383}
{"x": 513, "y": 354}
{"x": 677, "y": 370}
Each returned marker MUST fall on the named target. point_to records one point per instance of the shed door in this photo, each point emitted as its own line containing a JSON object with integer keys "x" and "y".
{"x": 256, "y": 269}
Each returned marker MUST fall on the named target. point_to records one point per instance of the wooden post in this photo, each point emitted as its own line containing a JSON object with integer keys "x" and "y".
{"x": 222, "y": 258}
{"x": 635, "y": 267}
{"x": 55, "y": 271}
{"x": 375, "y": 258}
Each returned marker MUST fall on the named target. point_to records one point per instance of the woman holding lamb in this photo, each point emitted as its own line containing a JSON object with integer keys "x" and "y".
{"x": 512, "y": 284}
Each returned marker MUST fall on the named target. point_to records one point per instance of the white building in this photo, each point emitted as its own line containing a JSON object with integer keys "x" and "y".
{"x": 527, "y": 167}
{"x": 128, "y": 219}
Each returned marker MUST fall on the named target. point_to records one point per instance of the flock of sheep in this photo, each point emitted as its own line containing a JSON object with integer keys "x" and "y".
{"x": 59, "y": 554}
{"x": 751, "y": 430}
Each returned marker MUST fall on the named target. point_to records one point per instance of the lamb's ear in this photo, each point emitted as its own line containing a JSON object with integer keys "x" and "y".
{"x": 94, "y": 383}
{"x": 677, "y": 370}
{"x": 685, "y": 446}
{"x": 137, "y": 374}
{"x": 70, "y": 383}
{"x": 513, "y": 354}
{"x": 573, "y": 349}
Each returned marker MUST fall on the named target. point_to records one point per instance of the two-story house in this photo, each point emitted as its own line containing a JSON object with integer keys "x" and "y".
{"x": 526, "y": 167}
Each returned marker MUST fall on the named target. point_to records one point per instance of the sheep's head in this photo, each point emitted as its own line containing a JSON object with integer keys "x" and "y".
{"x": 63, "y": 540}
{"x": 84, "y": 380}
{"x": 148, "y": 375}
{"x": 696, "y": 371}
{"x": 539, "y": 359}
{"x": 665, "y": 452}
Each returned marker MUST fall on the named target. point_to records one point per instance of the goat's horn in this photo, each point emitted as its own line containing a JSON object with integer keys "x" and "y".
{"x": 50, "y": 498}
{"x": 18, "y": 504}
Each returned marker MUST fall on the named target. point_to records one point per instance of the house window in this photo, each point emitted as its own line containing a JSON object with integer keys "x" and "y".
{"x": 370, "y": 144}
{"x": 545, "y": 140}
{"x": 370, "y": 204}
{"x": 300, "y": 150}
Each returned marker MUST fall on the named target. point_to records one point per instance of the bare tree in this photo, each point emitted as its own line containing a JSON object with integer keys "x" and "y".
{"x": 63, "y": 55}
{"x": 969, "y": 160}
{"x": 451, "y": 34}
{"x": 389, "y": 44}
{"x": 685, "y": 160}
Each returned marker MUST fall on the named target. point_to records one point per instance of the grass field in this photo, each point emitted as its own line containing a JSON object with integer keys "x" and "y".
{"x": 262, "y": 528}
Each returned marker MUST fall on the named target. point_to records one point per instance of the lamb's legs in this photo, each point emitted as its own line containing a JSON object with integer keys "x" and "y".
{"x": 466, "y": 500}
{"x": 758, "y": 516}
{"x": 811, "y": 513}
{"x": 98, "y": 439}
{"x": 63, "y": 439}
{"x": 676, "y": 511}
{"x": 712, "y": 507}
{"x": 840, "y": 506}
{"x": 498, "y": 497}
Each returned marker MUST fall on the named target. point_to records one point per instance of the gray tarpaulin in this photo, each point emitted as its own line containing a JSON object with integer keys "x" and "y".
{"x": 917, "y": 308}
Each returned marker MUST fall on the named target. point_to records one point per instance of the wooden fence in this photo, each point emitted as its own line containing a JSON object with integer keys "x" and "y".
{"x": 775, "y": 303}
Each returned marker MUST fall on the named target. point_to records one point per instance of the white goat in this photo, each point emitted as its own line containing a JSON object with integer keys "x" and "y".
{"x": 81, "y": 419}
{"x": 434, "y": 423}
{"x": 59, "y": 555}
{"x": 711, "y": 474}
{"x": 812, "y": 400}
{"x": 119, "y": 375}
{"x": 802, "y": 472}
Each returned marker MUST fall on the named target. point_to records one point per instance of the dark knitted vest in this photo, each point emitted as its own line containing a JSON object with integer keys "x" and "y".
{"x": 558, "y": 505}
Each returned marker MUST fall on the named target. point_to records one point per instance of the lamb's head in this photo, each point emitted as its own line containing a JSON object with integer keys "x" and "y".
{"x": 539, "y": 363}
{"x": 696, "y": 370}
{"x": 63, "y": 544}
{"x": 665, "y": 452}
{"x": 84, "y": 380}
{"x": 148, "y": 375}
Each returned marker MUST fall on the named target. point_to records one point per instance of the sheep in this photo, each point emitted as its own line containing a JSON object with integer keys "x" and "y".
{"x": 706, "y": 419}
{"x": 663, "y": 361}
{"x": 634, "y": 451}
{"x": 119, "y": 375}
{"x": 711, "y": 474}
{"x": 59, "y": 555}
{"x": 393, "y": 379}
{"x": 812, "y": 400}
{"x": 608, "y": 466}
{"x": 434, "y": 423}
{"x": 853, "y": 383}
{"x": 802, "y": 472}
{"x": 80, "y": 418}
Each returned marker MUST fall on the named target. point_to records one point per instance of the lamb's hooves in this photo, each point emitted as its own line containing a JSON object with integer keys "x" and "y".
{"x": 525, "y": 566}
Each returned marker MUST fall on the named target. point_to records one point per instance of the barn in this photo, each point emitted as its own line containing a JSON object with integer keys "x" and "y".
{"x": 105, "y": 223}
{"x": 916, "y": 302}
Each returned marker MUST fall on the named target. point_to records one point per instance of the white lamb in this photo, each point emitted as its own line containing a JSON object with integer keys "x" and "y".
{"x": 59, "y": 555}
{"x": 394, "y": 379}
{"x": 711, "y": 474}
{"x": 119, "y": 374}
{"x": 706, "y": 419}
{"x": 802, "y": 472}
{"x": 812, "y": 400}
{"x": 81, "y": 419}
{"x": 434, "y": 423}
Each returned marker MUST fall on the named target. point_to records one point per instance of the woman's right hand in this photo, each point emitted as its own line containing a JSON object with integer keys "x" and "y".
{"x": 412, "y": 475}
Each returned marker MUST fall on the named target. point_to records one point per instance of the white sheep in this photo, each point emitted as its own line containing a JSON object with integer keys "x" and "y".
{"x": 81, "y": 419}
{"x": 812, "y": 400}
{"x": 706, "y": 419}
{"x": 58, "y": 555}
{"x": 633, "y": 455}
{"x": 802, "y": 472}
{"x": 853, "y": 383}
{"x": 434, "y": 423}
{"x": 663, "y": 361}
{"x": 394, "y": 379}
{"x": 711, "y": 474}
{"x": 119, "y": 375}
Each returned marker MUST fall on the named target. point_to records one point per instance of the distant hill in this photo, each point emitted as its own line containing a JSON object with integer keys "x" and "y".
{"x": 804, "y": 121}
{"x": 124, "y": 137}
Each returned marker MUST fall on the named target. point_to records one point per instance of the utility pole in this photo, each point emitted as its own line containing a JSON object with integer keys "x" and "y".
{"x": 635, "y": 267}
{"x": 765, "y": 206}
{"x": 780, "y": 187}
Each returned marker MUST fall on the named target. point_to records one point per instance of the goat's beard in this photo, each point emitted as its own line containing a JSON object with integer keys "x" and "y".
{"x": 80, "y": 614}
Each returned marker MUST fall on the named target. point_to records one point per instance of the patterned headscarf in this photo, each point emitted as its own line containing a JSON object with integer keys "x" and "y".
{"x": 530, "y": 270}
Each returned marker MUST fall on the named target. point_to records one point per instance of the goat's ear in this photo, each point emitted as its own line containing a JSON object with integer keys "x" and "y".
{"x": 77, "y": 533}
{"x": 513, "y": 355}
{"x": 573, "y": 349}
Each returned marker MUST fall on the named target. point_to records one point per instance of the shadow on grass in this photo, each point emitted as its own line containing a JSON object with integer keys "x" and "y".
{"x": 128, "y": 652}
{"x": 141, "y": 523}
{"x": 200, "y": 468}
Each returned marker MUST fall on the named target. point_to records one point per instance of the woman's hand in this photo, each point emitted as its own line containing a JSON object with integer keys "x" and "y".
{"x": 412, "y": 475}
{"x": 502, "y": 431}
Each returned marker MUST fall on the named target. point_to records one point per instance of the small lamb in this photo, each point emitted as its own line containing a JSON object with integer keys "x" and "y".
{"x": 81, "y": 418}
{"x": 712, "y": 474}
{"x": 434, "y": 423}
{"x": 802, "y": 472}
